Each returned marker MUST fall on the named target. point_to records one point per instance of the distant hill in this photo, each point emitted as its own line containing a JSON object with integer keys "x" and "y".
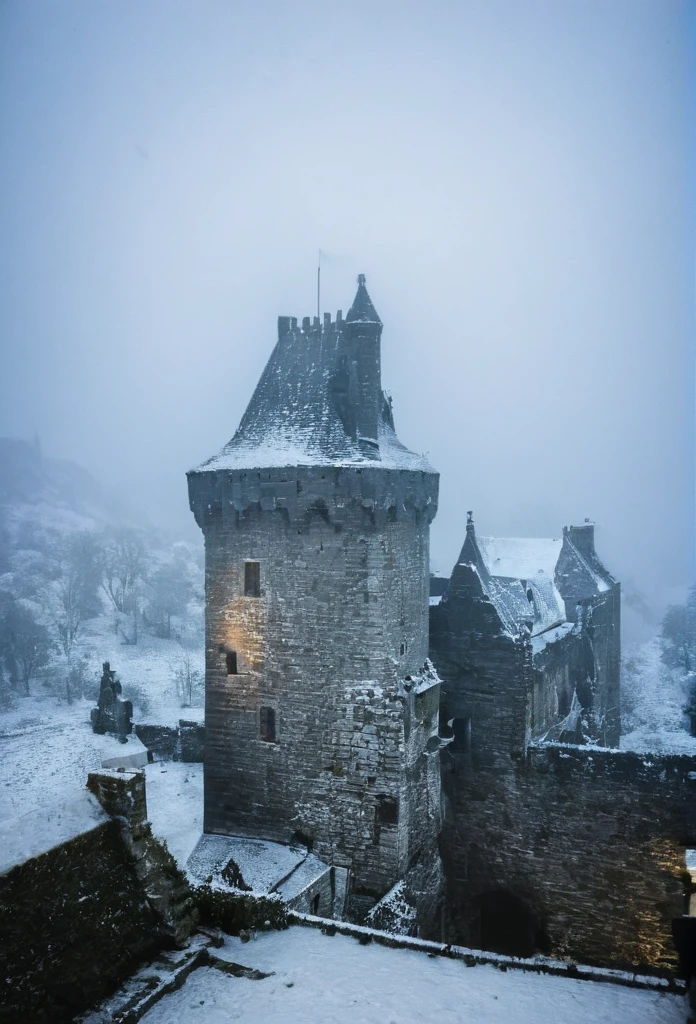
{"x": 55, "y": 491}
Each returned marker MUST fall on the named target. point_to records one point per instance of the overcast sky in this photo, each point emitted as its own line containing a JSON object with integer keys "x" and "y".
{"x": 515, "y": 177}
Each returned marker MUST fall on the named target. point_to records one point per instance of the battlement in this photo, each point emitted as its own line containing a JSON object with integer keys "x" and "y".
{"x": 310, "y": 325}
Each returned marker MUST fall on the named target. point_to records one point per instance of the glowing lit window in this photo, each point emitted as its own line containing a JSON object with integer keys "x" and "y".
{"x": 252, "y": 579}
{"x": 267, "y": 721}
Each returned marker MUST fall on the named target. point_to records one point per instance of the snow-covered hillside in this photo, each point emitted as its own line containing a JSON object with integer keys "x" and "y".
{"x": 84, "y": 580}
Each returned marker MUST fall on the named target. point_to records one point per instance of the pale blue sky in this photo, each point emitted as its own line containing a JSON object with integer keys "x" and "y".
{"x": 515, "y": 177}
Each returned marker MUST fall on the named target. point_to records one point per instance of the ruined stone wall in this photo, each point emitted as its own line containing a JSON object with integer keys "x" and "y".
{"x": 76, "y": 920}
{"x": 601, "y": 619}
{"x": 74, "y": 923}
{"x": 340, "y": 625}
{"x": 585, "y": 660}
{"x": 560, "y": 668}
{"x": 603, "y": 626}
{"x": 591, "y": 842}
{"x": 185, "y": 742}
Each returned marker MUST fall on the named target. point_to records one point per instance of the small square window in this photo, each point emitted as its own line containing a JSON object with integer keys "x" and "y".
{"x": 387, "y": 810}
{"x": 252, "y": 579}
{"x": 267, "y": 721}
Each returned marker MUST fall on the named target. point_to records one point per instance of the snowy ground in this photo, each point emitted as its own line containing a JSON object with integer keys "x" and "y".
{"x": 147, "y": 671}
{"x": 335, "y": 980}
{"x": 175, "y": 805}
{"x": 47, "y": 751}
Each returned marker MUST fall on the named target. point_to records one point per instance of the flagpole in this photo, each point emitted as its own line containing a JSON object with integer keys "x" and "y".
{"x": 318, "y": 284}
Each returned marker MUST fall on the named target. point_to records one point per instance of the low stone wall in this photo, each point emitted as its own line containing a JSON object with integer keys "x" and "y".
{"x": 74, "y": 923}
{"x": 184, "y": 742}
{"x": 76, "y": 920}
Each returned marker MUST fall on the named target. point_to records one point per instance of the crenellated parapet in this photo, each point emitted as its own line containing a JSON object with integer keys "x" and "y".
{"x": 329, "y": 491}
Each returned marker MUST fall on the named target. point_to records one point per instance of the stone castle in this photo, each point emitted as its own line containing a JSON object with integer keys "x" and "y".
{"x": 446, "y": 747}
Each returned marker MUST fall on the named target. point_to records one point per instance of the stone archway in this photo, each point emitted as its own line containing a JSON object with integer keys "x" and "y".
{"x": 507, "y": 925}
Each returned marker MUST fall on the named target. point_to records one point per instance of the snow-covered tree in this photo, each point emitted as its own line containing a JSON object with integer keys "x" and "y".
{"x": 26, "y": 643}
{"x": 678, "y": 635}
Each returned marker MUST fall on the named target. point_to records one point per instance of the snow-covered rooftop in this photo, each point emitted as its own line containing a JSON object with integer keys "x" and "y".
{"x": 520, "y": 558}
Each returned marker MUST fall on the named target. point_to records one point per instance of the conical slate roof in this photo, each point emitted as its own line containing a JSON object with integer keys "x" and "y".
{"x": 303, "y": 411}
{"x": 362, "y": 309}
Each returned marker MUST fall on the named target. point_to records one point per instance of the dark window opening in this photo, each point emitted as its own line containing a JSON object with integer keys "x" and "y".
{"x": 315, "y": 904}
{"x": 231, "y": 662}
{"x": 402, "y": 649}
{"x": 461, "y": 728}
{"x": 387, "y": 810}
{"x": 267, "y": 719}
{"x": 252, "y": 579}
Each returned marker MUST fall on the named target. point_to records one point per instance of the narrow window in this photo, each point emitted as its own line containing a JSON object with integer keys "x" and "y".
{"x": 231, "y": 661}
{"x": 387, "y": 810}
{"x": 252, "y": 579}
{"x": 267, "y": 720}
{"x": 315, "y": 904}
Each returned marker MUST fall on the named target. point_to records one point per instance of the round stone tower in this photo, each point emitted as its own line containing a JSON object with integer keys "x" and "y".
{"x": 321, "y": 705}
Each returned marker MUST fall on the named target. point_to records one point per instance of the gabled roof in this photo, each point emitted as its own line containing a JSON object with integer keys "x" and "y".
{"x": 526, "y": 578}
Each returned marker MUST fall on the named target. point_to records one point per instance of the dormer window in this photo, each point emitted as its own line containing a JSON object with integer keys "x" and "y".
{"x": 252, "y": 579}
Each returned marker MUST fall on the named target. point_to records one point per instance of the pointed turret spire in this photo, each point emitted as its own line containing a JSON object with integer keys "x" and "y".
{"x": 362, "y": 310}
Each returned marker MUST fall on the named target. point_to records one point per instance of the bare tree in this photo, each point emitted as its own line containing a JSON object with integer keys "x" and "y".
{"x": 188, "y": 680}
{"x": 124, "y": 566}
{"x": 170, "y": 592}
{"x": 124, "y": 570}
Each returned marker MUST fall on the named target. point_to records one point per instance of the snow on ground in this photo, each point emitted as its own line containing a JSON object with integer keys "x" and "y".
{"x": 175, "y": 805}
{"x": 146, "y": 670}
{"x": 47, "y": 761}
{"x": 335, "y": 980}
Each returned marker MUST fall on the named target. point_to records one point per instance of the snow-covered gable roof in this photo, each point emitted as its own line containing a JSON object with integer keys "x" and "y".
{"x": 301, "y": 411}
{"x": 520, "y": 579}
{"x": 528, "y": 579}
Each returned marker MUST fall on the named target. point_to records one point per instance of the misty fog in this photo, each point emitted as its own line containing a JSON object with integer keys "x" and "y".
{"x": 514, "y": 178}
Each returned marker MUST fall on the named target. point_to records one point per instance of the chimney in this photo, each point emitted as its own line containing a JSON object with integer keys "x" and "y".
{"x": 582, "y": 537}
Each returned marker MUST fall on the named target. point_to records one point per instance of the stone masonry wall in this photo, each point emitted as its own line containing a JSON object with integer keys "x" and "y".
{"x": 591, "y": 841}
{"x": 336, "y": 644}
{"x": 74, "y": 923}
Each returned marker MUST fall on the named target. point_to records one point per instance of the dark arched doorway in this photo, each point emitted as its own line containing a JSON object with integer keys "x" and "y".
{"x": 508, "y": 925}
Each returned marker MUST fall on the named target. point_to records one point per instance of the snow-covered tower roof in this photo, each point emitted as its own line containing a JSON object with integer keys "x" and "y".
{"x": 319, "y": 400}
